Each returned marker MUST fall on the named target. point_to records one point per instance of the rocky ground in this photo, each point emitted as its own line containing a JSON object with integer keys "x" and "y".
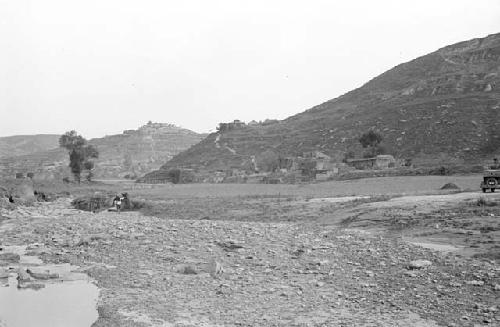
{"x": 167, "y": 272}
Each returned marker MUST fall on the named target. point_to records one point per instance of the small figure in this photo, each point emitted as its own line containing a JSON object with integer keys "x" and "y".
{"x": 11, "y": 199}
{"x": 117, "y": 202}
{"x": 495, "y": 165}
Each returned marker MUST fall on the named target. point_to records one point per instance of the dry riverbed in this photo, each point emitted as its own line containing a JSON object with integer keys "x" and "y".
{"x": 212, "y": 269}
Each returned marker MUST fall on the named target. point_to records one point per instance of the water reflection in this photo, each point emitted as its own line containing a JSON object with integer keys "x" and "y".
{"x": 69, "y": 300}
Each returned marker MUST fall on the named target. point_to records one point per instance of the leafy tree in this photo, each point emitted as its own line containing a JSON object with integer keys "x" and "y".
{"x": 80, "y": 154}
{"x": 174, "y": 175}
{"x": 370, "y": 139}
{"x": 89, "y": 165}
{"x": 71, "y": 140}
{"x": 268, "y": 161}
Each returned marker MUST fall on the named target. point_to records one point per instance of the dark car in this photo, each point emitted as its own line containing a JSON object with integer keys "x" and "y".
{"x": 491, "y": 180}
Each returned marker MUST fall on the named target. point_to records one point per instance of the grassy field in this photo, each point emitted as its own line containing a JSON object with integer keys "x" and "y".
{"x": 369, "y": 186}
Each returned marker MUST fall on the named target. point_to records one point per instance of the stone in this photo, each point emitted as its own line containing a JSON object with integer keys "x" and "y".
{"x": 9, "y": 258}
{"x": 410, "y": 274}
{"x": 42, "y": 274}
{"x": 215, "y": 268}
{"x": 475, "y": 282}
{"x": 23, "y": 276}
{"x": 32, "y": 286}
{"x": 419, "y": 264}
{"x": 186, "y": 270}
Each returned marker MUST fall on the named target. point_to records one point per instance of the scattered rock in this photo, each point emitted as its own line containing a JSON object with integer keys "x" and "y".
{"x": 42, "y": 274}
{"x": 8, "y": 258}
{"x": 419, "y": 264}
{"x": 186, "y": 270}
{"x": 23, "y": 276}
{"x": 475, "y": 282}
{"x": 229, "y": 245}
{"x": 31, "y": 286}
{"x": 4, "y": 274}
{"x": 215, "y": 268}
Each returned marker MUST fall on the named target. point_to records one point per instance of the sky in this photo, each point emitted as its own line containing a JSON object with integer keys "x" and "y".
{"x": 102, "y": 66}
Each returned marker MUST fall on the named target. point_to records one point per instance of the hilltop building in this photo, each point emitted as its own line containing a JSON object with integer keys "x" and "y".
{"x": 225, "y": 127}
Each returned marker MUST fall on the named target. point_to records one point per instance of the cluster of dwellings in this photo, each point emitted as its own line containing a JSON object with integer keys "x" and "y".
{"x": 237, "y": 124}
{"x": 313, "y": 165}
{"x": 225, "y": 127}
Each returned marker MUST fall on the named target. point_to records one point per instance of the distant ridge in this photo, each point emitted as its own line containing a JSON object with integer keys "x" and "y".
{"x": 444, "y": 106}
{"x": 132, "y": 153}
{"x": 18, "y": 145}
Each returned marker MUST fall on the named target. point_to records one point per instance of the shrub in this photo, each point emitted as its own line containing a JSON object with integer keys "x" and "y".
{"x": 484, "y": 202}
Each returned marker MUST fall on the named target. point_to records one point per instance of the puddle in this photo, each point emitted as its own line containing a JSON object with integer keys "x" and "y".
{"x": 65, "y": 298}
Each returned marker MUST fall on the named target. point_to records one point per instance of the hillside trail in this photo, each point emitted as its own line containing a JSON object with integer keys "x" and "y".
{"x": 156, "y": 272}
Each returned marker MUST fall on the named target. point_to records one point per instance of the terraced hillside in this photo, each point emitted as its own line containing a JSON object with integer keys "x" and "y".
{"x": 442, "y": 106}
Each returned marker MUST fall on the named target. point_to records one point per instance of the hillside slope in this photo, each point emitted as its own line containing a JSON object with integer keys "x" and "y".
{"x": 133, "y": 152}
{"x": 24, "y": 144}
{"x": 442, "y": 106}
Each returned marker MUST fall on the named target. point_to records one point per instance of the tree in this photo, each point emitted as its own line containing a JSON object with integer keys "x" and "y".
{"x": 267, "y": 161}
{"x": 80, "y": 154}
{"x": 370, "y": 139}
{"x": 71, "y": 140}
{"x": 174, "y": 175}
{"x": 89, "y": 165}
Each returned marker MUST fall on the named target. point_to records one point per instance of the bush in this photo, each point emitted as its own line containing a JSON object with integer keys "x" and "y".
{"x": 174, "y": 175}
{"x": 484, "y": 202}
{"x": 370, "y": 139}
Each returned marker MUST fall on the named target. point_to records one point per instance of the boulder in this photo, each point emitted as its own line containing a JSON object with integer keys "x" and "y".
{"x": 38, "y": 273}
{"x": 419, "y": 264}
{"x": 9, "y": 258}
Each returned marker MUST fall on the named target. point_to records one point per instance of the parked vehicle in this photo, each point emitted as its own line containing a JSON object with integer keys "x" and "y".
{"x": 491, "y": 180}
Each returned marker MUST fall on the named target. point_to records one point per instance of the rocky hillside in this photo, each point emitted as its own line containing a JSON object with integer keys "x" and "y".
{"x": 134, "y": 152}
{"x": 444, "y": 106}
{"x": 24, "y": 144}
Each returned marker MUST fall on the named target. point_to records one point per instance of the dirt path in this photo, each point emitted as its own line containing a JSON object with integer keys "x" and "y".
{"x": 465, "y": 223}
{"x": 159, "y": 272}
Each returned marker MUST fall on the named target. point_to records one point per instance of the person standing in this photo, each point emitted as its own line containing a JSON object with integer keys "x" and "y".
{"x": 117, "y": 202}
{"x": 495, "y": 165}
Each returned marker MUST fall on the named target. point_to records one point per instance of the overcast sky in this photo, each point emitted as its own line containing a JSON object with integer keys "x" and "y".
{"x": 102, "y": 66}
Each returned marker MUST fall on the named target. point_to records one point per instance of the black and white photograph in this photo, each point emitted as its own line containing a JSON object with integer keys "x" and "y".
{"x": 237, "y": 163}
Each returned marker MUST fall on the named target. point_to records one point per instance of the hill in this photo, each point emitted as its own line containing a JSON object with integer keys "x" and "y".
{"x": 24, "y": 144}
{"x": 134, "y": 152}
{"x": 443, "y": 106}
